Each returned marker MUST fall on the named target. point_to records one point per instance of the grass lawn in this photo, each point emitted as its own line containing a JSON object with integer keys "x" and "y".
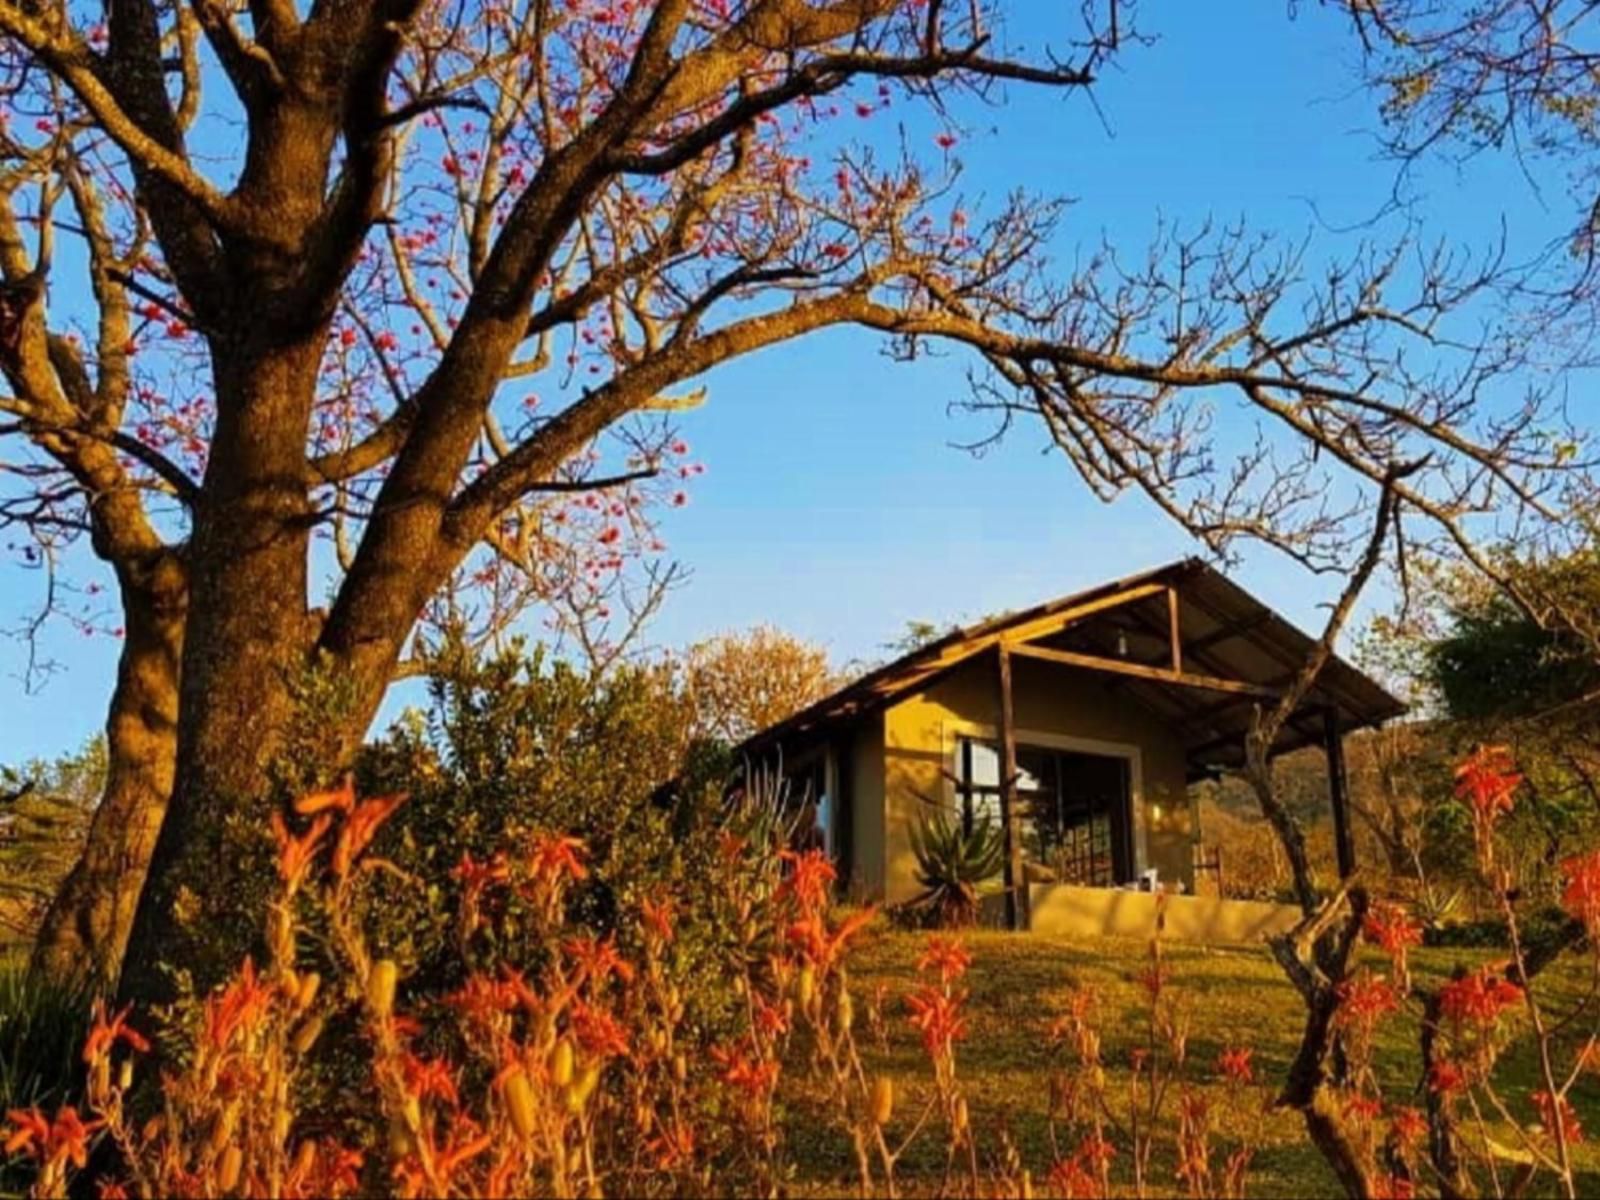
{"x": 1236, "y": 996}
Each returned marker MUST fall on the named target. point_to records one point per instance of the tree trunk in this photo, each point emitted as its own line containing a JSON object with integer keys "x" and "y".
{"x": 244, "y": 662}
{"x": 85, "y": 930}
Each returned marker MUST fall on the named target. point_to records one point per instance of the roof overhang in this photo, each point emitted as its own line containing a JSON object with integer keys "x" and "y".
{"x": 1182, "y": 640}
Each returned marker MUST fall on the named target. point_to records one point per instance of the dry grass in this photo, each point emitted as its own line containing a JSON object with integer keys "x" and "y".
{"x": 1236, "y": 995}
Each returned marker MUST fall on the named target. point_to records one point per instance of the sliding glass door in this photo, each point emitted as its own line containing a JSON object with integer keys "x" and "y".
{"x": 1074, "y": 809}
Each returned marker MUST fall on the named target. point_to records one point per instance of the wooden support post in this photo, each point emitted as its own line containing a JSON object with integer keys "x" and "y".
{"x": 1339, "y": 793}
{"x": 1172, "y": 631}
{"x": 1015, "y": 883}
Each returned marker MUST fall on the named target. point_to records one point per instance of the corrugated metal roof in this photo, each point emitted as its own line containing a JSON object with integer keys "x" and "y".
{"x": 1226, "y": 632}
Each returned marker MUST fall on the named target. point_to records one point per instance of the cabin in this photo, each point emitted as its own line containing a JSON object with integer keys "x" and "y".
{"x": 1078, "y": 727}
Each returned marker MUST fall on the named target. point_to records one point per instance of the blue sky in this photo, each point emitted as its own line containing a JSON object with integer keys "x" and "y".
{"x": 835, "y": 504}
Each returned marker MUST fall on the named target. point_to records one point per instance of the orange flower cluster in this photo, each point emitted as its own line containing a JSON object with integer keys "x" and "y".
{"x": 1365, "y": 999}
{"x": 1559, "y": 1109}
{"x": 1233, "y": 1064}
{"x": 1478, "y": 998}
{"x": 937, "y": 1015}
{"x": 1390, "y": 927}
{"x": 53, "y": 1142}
{"x": 1488, "y": 781}
{"x": 1581, "y": 895}
{"x": 949, "y": 956}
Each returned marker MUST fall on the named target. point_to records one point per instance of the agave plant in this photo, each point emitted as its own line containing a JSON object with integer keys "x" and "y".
{"x": 952, "y": 865}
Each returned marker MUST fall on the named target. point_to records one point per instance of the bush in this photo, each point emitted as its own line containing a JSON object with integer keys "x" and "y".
{"x": 41, "y": 1031}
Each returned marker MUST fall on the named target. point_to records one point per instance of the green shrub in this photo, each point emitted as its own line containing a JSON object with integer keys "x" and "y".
{"x": 41, "y": 1032}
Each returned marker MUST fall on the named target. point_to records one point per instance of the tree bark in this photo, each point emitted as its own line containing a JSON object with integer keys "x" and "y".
{"x": 85, "y": 930}
{"x": 244, "y": 657}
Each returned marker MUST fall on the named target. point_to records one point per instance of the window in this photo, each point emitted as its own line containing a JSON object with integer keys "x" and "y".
{"x": 1074, "y": 810}
{"x": 808, "y": 792}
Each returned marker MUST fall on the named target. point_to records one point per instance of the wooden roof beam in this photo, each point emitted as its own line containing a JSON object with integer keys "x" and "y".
{"x": 1118, "y": 666}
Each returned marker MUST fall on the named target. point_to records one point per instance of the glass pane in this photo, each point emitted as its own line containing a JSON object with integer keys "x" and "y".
{"x": 985, "y": 765}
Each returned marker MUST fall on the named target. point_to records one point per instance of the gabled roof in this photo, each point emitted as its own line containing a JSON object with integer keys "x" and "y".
{"x": 1236, "y": 653}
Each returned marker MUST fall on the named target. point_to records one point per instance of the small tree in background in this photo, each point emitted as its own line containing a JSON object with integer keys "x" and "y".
{"x": 45, "y": 808}
{"x": 740, "y": 683}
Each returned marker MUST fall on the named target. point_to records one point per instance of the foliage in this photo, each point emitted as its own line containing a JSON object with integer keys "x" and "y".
{"x": 1496, "y": 661}
{"x": 741, "y": 683}
{"x": 41, "y": 1030}
{"x": 582, "y": 1074}
{"x": 524, "y": 740}
{"x": 45, "y": 808}
{"x": 952, "y": 865}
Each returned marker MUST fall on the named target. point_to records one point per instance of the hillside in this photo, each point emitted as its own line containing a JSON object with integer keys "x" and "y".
{"x": 1236, "y": 996}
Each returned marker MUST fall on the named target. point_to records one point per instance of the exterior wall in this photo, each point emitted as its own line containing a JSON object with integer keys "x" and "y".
{"x": 1053, "y": 705}
{"x": 865, "y": 767}
{"x": 1069, "y": 911}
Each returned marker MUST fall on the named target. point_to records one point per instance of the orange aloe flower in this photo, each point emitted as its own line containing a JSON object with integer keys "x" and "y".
{"x": 812, "y": 938}
{"x": 51, "y": 1142}
{"x": 597, "y": 961}
{"x": 598, "y": 1032}
{"x": 238, "y": 1006}
{"x": 949, "y": 956}
{"x": 1391, "y": 927}
{"x": 430, "y": 1078}
{"x": 341, "y": 798}
{"x": 475, "y": 876}
{"x": 938, "y": 1017}
{"x": 295, "y": 853}
{"x": 1364, "y": 999}
{"x": 810, "y": 877}
{"x": 1488, "y": 780}
{"x": 106, "y": 1032}
{"x": 1234, "y": 1063}
{"x": 554, "y": 855}
{"x": 1581, "y": 896}
{"x": 360, "y": 827}
{"x": 770, "y": 1019}
{"x": 1409, "y": 1127}
{"x": 657, "y": 916}
{"x": 1558, "y": 1109}
{"x": 756, "y": 1079}
{"x": 1479, "y": 997}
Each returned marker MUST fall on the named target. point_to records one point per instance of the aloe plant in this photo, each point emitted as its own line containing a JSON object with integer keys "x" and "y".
{"x": 952, "y": 866}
